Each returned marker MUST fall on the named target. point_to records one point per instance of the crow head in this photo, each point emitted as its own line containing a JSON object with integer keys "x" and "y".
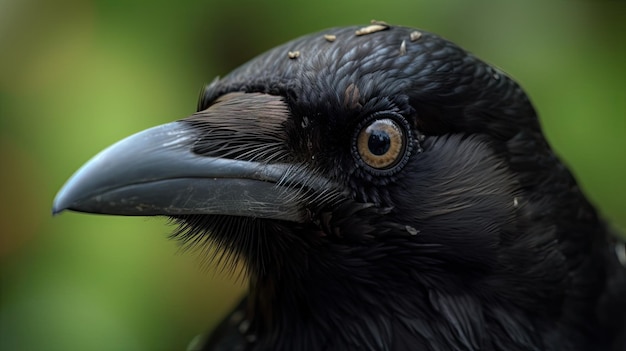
{"x": 380, "y": 180}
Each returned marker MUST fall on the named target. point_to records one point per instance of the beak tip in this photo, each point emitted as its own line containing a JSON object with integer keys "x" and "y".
{"x": 57, "y": 209}
{"x": 58, "y": 205}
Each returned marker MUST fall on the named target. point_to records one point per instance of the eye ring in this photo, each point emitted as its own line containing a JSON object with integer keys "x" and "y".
{"x": 382, "y": 144}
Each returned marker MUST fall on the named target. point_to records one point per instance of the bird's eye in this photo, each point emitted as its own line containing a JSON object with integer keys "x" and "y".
{"x": 381, "y": 143}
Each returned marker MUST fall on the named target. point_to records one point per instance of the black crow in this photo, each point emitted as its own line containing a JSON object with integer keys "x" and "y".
{"x": 386, "y": 190}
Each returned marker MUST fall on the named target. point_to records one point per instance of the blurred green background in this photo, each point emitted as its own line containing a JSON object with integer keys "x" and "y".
{"x": 78, "y": 75}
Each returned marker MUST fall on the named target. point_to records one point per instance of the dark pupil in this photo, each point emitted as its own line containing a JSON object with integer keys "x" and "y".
{"x": 379, "y": 142}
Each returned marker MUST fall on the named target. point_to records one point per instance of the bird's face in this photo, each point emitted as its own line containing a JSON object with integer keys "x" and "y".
{"x": 383, "y": 186}
{"x": 392, "y": 140}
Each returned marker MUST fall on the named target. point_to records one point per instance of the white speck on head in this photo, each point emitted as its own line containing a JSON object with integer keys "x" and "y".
{"x": 415, "y": 35}
{"x": 403, "y": 48}
{"x": 496, "y": 76}
{"x": 330, "y": 37}
{"x": 515, "y": 202}
{"x": 373, "y": 28}
{"x": 293, "y": 54}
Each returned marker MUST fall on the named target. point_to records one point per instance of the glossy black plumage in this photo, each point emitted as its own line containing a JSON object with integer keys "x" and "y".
{"x": 478, "y": 239}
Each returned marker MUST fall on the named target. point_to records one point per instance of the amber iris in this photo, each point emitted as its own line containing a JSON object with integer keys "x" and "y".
{"x": 381, "y": 143}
